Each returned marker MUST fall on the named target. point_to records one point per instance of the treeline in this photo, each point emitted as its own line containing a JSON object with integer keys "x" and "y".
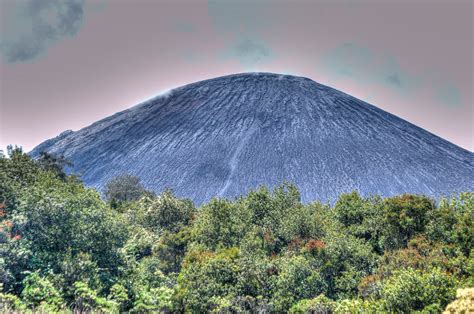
{"x": 65, "y": 247}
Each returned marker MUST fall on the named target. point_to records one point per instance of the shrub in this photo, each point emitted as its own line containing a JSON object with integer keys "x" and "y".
{"x": 155, "y": 299}
{"x": 403, "y": 217}
{"x": 38, "y": 290}
{"x": 123, "y": 188}
{"x": 297, "y": 279}
{"x": 87, "y": 299}
{"x": 464, "y": 302}
{"x": 163, "y": 213}
{"x": 410, "y": 289}
{"x": 11, "y": 303}
{"x": 321, "y": 304}
{"x": 206, "y": 276}
{"x": 119, "y": 295}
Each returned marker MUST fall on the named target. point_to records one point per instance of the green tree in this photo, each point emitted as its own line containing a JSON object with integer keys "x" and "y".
{"x": 297, "y": 279}
{"x": 206, "y": 277}
{"x": 60, "y": 218}
{"x": 88, "y": 300}
{"x": 403, "y": 217}
{"x": 119, "y": 295}
{"x": 350, "y": 209}
{"x": 165, "y": 212}
{"x": 38, "y": 290}
{"x": 347, "y": 260}
{"x": 413, "y": 290}
{"x": 452, "y": 221}
{"x": 221, "y": 224}
{"x": 56, "y": 164}
{"x": 172, "y": 248}
{"x": 320, "y": 304}
{"x": 123, "y": 188}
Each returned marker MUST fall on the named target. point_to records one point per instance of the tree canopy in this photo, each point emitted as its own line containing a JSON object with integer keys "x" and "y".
{"x": 64, "y": 249}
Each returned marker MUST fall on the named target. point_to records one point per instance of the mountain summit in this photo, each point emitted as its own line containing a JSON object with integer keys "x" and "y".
{"x": 224, "y": 136}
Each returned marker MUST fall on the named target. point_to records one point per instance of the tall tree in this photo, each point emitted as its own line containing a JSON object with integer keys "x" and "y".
{"x": 123, "y": 188}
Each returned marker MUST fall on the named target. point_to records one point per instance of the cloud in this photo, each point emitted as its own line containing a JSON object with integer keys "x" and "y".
{"x": 449, "y": 95}
{"x": 362, "y": 64}
{"x": 393, "y": 76}
{"x": 192, "y": 57}
{"x": 251, "y": 53}
{"x": 184, "y": 27}
{"x": 366, "y": 66}
{"x": 30, "y": 27}
{"x": 394, "y": 79}
{"x": 348, "y": 60}
{"x": 245, "y": 16}
{"x": 241, "y": 24}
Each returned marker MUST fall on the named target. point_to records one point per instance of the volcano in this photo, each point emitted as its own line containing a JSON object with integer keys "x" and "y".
{"x": 224, "y": 136}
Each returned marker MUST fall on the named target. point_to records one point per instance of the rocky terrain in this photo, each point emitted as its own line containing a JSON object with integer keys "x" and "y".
{"x": 224, "y": 136}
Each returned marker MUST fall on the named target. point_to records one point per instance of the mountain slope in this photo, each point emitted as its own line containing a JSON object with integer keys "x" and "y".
{"x": 222, "y": 136}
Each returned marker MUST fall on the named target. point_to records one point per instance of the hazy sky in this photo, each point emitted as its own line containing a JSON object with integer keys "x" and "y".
{"x": 66, "y": 64}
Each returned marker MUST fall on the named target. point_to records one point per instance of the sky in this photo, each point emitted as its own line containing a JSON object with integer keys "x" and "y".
{"x": 68, "y": 63}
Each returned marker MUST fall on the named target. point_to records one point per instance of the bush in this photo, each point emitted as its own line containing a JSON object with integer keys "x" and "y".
{"x": 87, "y": 299}
{"x": 451, "y": 221}
{"x": 40, "y": 291}
{"x": 404, "y": 217}
{"x": 163, "y": 213}
{"x": 321, "y": 304}
{"x": 410, "y": 289}
{"x": 60, "y": 220}
{"x": 11, "y": 303}
{"x": 464, "y": 302}
{"x": 347, "y": 260}
{"x": 123, "y": 188}
{"x": 350, "y": 209}
{"x": 297, "y": 279}
{"x": 155, "y": 299}
{"x": 119, "y": 295}
{"x": 221, "y": 224}
{"x": 172, "y": 248}
{"x": 206, "y": 276}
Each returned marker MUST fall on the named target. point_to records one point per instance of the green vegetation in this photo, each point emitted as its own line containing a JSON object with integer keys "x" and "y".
{"x": 63, "y": 248}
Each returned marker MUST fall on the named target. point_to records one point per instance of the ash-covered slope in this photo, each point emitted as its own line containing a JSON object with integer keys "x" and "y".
{"x": 223, "y": 136}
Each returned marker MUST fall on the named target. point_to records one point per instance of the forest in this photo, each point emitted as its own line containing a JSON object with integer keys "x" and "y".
{"x": 68, "y": 248}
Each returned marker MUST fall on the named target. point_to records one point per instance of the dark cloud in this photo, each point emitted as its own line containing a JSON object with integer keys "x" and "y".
{"x": 30, "y": 27}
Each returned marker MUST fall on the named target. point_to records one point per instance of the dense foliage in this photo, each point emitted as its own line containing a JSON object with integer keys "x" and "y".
{"x": 64, "y": 248}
